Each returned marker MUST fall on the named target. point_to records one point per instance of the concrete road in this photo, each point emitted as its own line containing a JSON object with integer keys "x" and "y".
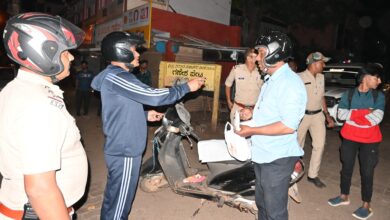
{"x": 166, "y": 205}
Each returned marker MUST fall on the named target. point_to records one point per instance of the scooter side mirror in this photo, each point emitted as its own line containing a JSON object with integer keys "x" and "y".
{"x": 183, "y": 113}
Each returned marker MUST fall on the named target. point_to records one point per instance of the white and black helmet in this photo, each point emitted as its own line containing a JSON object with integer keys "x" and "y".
{"x": 36, "y": 41}
{"x": 278, "y": 46}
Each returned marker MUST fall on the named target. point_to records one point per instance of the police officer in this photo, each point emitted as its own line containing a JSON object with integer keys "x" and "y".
{"x": 247, "y": 84}
{"x": 42, "y": 160}
{"x": 124, "y": 119}
{"x": 315, "y": 114}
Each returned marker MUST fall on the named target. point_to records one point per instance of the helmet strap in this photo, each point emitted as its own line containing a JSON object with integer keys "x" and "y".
{"x": 129, "y": 65}
{"x": 54, "y": 79}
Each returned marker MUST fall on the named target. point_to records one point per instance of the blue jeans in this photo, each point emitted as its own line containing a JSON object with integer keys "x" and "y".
{"x": 271, "y": 193}
{"x": 82, "y": 98}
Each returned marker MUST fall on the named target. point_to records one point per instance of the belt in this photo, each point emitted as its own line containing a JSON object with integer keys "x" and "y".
{"x": 244, "y": 106}
{"x": 307, "y": 112}
{"x": 18, "y": 214}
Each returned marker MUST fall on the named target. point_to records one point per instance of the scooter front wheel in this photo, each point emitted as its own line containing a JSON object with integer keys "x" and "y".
{"x": 153, "y": 183}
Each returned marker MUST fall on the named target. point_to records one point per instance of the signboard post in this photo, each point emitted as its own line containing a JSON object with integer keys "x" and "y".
{"x": 170, "y": 72}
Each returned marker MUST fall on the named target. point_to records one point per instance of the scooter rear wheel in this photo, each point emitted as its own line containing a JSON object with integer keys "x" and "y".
{"x": 153, "y": 183}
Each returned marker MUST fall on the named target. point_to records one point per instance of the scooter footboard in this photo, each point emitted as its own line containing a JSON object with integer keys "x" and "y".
{"x": 170, "y": 160}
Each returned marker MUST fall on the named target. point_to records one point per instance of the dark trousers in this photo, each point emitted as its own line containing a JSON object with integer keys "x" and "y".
{"x": 368, "y": 158}
{"x": 82, "y": 98}
{"x": 122, "y": 180}
{"x": 271, "y": 192}
{"x": 99, "y": 109}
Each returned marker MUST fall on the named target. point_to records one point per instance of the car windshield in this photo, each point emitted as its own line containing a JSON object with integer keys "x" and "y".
{"x": 340, "y": 77}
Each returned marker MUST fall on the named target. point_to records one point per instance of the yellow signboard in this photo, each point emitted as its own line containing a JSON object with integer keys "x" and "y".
{"x": 138, "y": 20}
{"x": 172, "y": 71}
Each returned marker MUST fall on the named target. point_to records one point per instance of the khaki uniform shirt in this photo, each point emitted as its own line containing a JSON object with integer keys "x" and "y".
{"x": 315, "y": 88}
{"x": 37, "y": 135}
{"x": 248, "y": 84}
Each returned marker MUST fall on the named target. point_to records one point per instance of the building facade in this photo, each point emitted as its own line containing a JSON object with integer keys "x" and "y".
{"x": 159, "y": 21}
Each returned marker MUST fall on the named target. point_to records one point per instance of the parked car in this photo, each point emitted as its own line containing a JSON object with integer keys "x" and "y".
{"x": 7, "y": 74}
{"x": 339, "y": 78}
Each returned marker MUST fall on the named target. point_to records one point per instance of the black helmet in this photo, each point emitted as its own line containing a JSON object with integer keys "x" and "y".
{"x": 278, "y": 46}
{"x": 116, "y": 46}
{"x": 36, "y": 41}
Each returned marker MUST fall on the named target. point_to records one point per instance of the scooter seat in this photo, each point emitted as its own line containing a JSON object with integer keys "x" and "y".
{"x": 237, "y": 162}
{"x": 217, "y": 168}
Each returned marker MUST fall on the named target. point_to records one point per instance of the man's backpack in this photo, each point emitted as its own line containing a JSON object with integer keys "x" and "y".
{"x": 350, "y": 94}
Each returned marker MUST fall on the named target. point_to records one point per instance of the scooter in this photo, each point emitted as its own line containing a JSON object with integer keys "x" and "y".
{"x": 227, "y": 182}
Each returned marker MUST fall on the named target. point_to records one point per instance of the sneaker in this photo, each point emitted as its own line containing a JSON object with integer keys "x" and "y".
{"x": 338, "y": 201}
{"x": 362, "y": 213}
{"x": 316, "y": 181}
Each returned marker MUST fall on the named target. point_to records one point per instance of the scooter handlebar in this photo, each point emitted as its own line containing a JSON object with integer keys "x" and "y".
{"x": 187, "y": 130}
{"x": 195, "y": 136}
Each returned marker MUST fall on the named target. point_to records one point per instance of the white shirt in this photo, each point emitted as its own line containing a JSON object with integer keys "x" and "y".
{"x": 37, "y": 134}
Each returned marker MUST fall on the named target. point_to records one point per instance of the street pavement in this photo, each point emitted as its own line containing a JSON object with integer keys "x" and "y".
{"x": 165, "y": 204}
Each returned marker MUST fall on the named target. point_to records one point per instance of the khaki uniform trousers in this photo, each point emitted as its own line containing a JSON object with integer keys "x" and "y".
{"x": 233, "y": 111}
{"x": 315, "y": 124}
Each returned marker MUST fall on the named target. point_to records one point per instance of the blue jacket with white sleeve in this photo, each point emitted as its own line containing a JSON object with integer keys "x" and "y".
{"x": 123, "y": 115}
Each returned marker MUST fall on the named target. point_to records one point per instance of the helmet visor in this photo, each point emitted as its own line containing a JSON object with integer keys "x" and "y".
{"x": 72, "y": 34}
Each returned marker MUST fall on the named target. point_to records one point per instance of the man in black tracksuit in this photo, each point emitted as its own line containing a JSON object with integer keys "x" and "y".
{"x": 124, "y": 119}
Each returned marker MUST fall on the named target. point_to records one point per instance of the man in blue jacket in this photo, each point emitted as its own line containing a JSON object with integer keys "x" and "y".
{"x": 124, "y": 119}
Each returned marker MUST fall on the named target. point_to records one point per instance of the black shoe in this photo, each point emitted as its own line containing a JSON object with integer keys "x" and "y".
{"x": 317, "y": 182}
